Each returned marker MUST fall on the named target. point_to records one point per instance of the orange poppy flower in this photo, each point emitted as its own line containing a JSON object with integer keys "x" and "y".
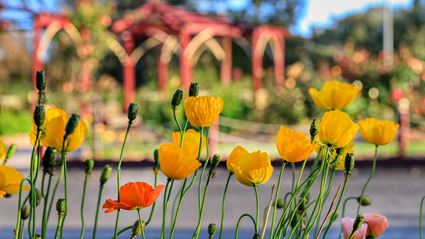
{"x": 133, "y": 196}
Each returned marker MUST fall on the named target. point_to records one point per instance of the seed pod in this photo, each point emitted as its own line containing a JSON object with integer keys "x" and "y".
{"x": 280, "y": 203}
{"x": 314, "y": 128}
{"x": 61, "y": 206}
{"x": 88, "y": 166}
{"x": 40, "y": 81}
{"x": 215, "y": 161}
{"x": 295, "y": 220}
{"x": 357, "y": 223}
{"x": 133, "y": 109}
{"x": 71, "y": 125}
{"x": 39, "y": 115}
{"x": 349, "y": 163}
{"x": 211, "y": 229}
{"x": 365, "y": 200}
{"x": 106, "y": 173}
{"x": 177, "y": 98}
{"x": 11, "y": 151}
{"x": 48, "y": 161}
{"x": 193, "y": 89}
{"x": 25, "y": 212}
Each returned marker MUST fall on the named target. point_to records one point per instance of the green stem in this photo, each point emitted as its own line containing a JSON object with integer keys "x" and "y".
{"x": 293, "y": 176}
{"x": 119, "y": 177}
{"x": 18, "y": 217}
{"x": 99, "y": 198}
{"x": 21, "y": 230}
{"x": 154, "y": 204}
{"x": 124, "y": 230}
{"x": 83, "y": 198}
{"x": 32, "y": 217}
{"x": 46, "y": 200}
{"x": 52, "y": 198}
{"x": 164, "y": 209}
{"x": 334, "y": 214}
{"x": 142, "y": 227}
{"x": 257, "y": 215}
{"x": 276, "y": 197}
{"x": 223, "y": 203}
{"x": 201, "y": 212}
{"x": 239, "y": 222}
{"x": 420, "y": 216}
{"x": 203, "y": 168}
{"x": 328, "y": 191}
{"x": 65, "y": 182}
{"x": 371, "y": 175}
{"x": 59, "y": 225}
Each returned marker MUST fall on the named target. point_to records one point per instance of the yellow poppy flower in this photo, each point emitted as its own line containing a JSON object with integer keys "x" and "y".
{"x": 334, "y": 95}
{"x": 10, "y": 180}
{"x": 379, "y": 132}
{"x": 203, "y": 111}
{"x": 54, "y": 130}
{"x": 293, "y": 146}
{"x": 177, "y": 163}
{"x": 191, "y": 140}
{"x": 237, "y": 153}
{"x": 337, "y": 129}
{"x": 253, "y": 168}
{"x": 3, "y": 150}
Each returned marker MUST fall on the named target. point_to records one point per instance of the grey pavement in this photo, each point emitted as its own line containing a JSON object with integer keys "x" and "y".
{"x": 396, "y": 193}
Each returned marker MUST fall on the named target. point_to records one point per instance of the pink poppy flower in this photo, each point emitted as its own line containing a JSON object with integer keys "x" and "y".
{"x": 377, "y": 224}
{"x": 347, "y": 228}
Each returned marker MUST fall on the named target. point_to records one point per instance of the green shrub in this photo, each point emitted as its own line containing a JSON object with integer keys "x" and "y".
{"x": 12, "y": 121}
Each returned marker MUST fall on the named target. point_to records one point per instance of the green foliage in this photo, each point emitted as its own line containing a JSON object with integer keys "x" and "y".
{"x": 12, "y": 121}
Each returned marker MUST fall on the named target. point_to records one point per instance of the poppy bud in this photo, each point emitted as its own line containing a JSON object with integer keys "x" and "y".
{"x": 364, "y": 200}
{"x": 156, "y": 161}
{"x": 132, "y": 112}
{"x": 357, "y": 224}
{"x": 314, "y": 129}
{"x": 137, "y": 228}
{"x": 256, "y": 236}
{"x": 40, "y": 81}
{"x": 38, "y": 197}
{"x": 106, "y": 173}
{"x": 61, "y": 206}
{"x": 177, "y": 98}
{"x": 48, "y": 161}
{"x": 295, "y": 219}
{"x": 25, "y": 212}
{"x": 340, "y": 151}
{"x": 349, "y": 163}
{"x": 211, "y": 229}
{"x": 71, "y": 125}
{"x": 39, "y": 115}
{"x": 280, "y": 203}
{"x": 37, "y": 236}
{"x": 193, "y": 89}
{"x": 88, "y": 166}
{"x": 303, "y": 205}
{"x": 215, "y": 161}
{"x": 11, "y": 151}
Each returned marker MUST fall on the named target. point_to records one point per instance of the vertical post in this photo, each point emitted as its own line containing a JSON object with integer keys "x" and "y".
{"x": 162, "y": 73}
{"x": 226, "y": 65}
{"x": 257, "y": 61}
{"x": 279, "y": 60}
{"x": 185, "y": 64}
{"x": 403, "y": 109}
{"x": 128, "y": 71}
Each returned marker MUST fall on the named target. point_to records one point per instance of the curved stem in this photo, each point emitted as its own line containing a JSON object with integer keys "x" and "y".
{"x": 276, "y": 198}
{"x": 140, "y": 220}
{"x": 59, "y": 225}
{"x": 33, "y": 166}
{"x": 52, "y": 198}
{"x": 124, "y": 230}
{"x": 420, "y": 217}
{"x": 239, "y": 221}
{"x": 371, "y": 175}
{"x": 99, "y": 198}
{"x": 18, "y": 217}
{"x": 117, "y": 218}
{"x": 164, "y": 209}
{"x": 83, "y": 198}
{"x": 154, "y": 204}
{"x": 223, "y": 203}
{"x": 201, "y": 212}
{"x": 46, "y": 199}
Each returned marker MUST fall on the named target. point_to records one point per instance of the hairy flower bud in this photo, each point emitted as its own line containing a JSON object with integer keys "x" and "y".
{"x": 71, "y": 125}
{"x": 314, "y": 128}
{"x": 11, "y": 151}
{"x": 40, "y": 81}
{"x": 349, "y": 163}
{"x": 357, "y": 223}
{"x": 364, "y": 200}
{"x": 137, "y": 228}
{"x": 215, "y": 161}
{"x": 48, "y": 161}
{"x": 177, "y": 98}
{"x": 133, "y": 109}
{"x": 61, "y": 206}
{"x": 211, "y": 229}
{"x": 88, "y": 166}
{"x": 295, "y": 220}
{"x": 106, "y": 173}
{"x": 156, "y": 161}
{"x": 280, "y": 203}
{"x": 25, "y": 212}
{"x": 193, "y": 89}
{"x": 38, "y": 197}
{"x": 256, "y": 236}
{"x": 39, "y": 115}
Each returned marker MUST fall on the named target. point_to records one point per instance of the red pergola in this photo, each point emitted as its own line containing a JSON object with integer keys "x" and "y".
{"x": 176, "y": 31}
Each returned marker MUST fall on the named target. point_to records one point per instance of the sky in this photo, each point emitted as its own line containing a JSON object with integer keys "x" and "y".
{"x": 317, "y": 13}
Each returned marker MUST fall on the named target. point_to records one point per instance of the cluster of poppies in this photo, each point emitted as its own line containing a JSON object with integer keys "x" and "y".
{"x": 188, "y": 159}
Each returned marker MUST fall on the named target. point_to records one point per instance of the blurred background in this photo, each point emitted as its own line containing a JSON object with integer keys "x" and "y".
{"x": 261, "y": 56}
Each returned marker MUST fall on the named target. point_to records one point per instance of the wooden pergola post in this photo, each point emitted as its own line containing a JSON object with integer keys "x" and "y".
{"x": 185, "y": 64}
{"x": 162, "y": 72}
{"x": 226, "y": 65}
{"x": 129, "y": 74}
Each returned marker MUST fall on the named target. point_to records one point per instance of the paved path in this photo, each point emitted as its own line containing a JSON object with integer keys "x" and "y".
{"x": 396, "y": 193}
